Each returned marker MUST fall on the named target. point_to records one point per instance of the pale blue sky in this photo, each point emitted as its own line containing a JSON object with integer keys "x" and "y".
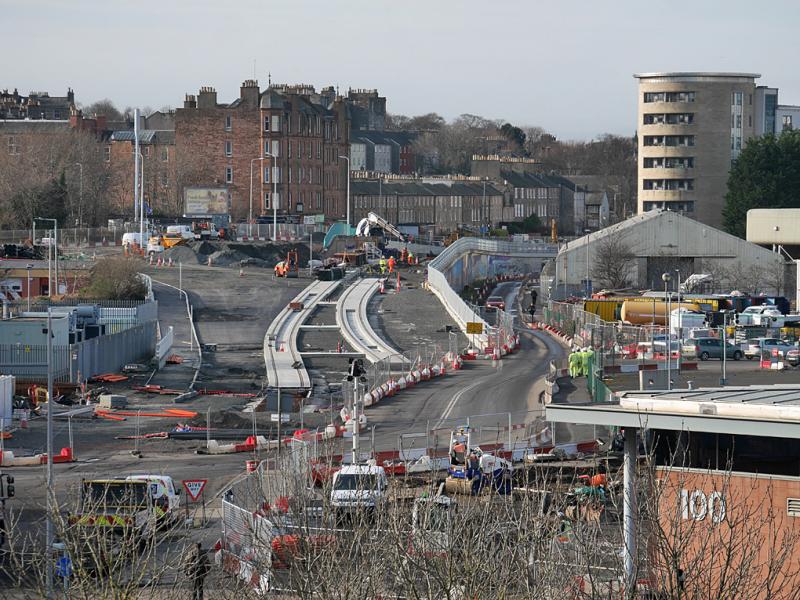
{"x": 564, "y": 65}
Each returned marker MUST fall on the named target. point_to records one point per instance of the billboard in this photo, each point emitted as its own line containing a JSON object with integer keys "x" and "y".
{"x": 205, "y": 202}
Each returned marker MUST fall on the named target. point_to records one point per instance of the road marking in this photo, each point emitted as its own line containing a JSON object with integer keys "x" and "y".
{"x": 456, "y": 397}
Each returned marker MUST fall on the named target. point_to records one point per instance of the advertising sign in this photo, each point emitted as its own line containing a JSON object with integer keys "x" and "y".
{"x": 205, "y": 202}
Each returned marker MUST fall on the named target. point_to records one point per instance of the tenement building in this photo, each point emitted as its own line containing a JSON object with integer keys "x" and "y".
{"x": 691, "y": 127}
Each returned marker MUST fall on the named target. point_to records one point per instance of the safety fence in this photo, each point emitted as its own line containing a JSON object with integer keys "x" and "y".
{"x": 295, "y": 232}
{"x": 440, "y": 283}
{"x": 611, "y": 343}
{"x": 277, "y": 502}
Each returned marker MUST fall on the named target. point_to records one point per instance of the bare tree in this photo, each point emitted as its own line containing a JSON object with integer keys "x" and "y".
{"x": 613, "y": 262}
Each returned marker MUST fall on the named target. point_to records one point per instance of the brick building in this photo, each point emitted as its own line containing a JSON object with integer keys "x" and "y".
{"x": 306, "y": 132}
{"x": 36, "y": 105}
{"x": 291, "y": 136}
{"x": 431, "y": 205}
{"x": 159, "y": 169}
{"x": 215, "y": 142}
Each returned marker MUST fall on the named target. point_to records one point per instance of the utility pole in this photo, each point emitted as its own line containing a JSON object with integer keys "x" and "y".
{"x": 136, "y": 164}
{"x": 49, "y": 505}
{"x": 666, "y": 278}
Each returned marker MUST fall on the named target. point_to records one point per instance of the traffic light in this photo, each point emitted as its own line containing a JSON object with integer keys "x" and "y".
{"x": 356, "y": 368}
{"x": 6, "y": 486}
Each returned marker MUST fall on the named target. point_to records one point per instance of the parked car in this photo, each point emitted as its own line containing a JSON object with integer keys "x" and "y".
{"x": 755, "y": 347}
{"x": 709, "y": 347}
{"x": 793, "y": 357}
{"x": 495, "y": 303}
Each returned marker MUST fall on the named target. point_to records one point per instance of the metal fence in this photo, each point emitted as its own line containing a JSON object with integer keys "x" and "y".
{"x": 80, "y": 361}
{"x": 71, "y": 236}
{"x": 286, "y": 231}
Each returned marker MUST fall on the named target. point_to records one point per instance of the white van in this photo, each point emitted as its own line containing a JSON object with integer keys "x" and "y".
{"x": 129, "y": 239}
{"x": 185, "y": 231}
{"x": 358, "y": 487}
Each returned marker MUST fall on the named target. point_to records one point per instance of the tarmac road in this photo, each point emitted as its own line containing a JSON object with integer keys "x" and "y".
{"x": 512, "y": 385}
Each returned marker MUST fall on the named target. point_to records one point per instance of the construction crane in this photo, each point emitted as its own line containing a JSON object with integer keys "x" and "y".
{"x": 374, "y": 220}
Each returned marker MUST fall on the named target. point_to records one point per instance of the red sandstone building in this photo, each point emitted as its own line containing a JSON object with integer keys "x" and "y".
{"x": 283, "y": 143}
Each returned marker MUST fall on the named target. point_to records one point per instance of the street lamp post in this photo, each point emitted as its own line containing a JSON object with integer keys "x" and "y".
{"x": 274, "y": 192}
{"x": 52, "y": 246}
{"x": 141, "y": 207}
{"x": 29, "y": 267}
{"x": 680, "y": 318}
{"x": 588, "y": 233}
{"x": 80, "y": 194}
{"x": 666, "y": 278}
{"x": 49, "y": 532}
{"x": 348, "y": 191}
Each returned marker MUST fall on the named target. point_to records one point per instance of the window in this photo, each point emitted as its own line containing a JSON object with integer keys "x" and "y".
{"x": 57, "y": 114}
{"x": 164, "y": 180}
{"x": 276, "y": 148}
{"x": 266, "y": 174}
{"x": 668, "y": 184}
{"x": 228, "y": 148}
{"x": 669, "y": 140}
{"x": 736, "y": 98}
{"x": 164, "y": 154}
{"x": 300, "y": 150}
{"x": 318, "y": 195}
{"x": 228, "y": 174}
{"x": 14, "y": 149}
{"x": 787, "y": 122}
{"x": 266, "y": 123}
{"x": 266, "y": 201}
{"x": 106, "y": 153}
{"x": 228, "y": 122}
{"x": 276, "y": 123}
{"x": 310, "y": 149}
{"x": 147, "y": 151}
{"x": 289, "y": 154}
{"x": 276, "y": 175}
{"x": 668, "y": 97}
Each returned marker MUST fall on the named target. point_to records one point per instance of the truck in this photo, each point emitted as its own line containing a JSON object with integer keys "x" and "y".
{"x": 358, "y": 488}
{"x": 135, "y": 504}
{"x": 205, "y": 230}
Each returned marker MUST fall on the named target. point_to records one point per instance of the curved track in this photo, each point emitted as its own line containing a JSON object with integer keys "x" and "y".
{"x": 285, "y": 369}
{"x": 352, "y": 319}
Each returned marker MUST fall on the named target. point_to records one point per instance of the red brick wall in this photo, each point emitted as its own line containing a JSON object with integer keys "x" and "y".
{"x": 200, "y": 137}
{"x": 160, "y": 177}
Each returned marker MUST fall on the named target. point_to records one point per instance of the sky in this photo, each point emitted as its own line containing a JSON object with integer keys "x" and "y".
{"x": 563, "y": 65}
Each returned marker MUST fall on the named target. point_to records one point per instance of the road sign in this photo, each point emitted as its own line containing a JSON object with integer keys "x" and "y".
{"x": 64, "y": 567}
{"x": 473, "y": 327}
{"x": 194, "y": 487}
{"x": 284, "y": 417}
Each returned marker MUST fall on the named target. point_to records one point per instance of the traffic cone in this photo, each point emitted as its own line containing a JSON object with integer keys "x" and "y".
{"x": 241, "y": 272}
{"x": 170, "y": 261}
{"x": 209, "y": 261}
{"x": 381, "y": 289}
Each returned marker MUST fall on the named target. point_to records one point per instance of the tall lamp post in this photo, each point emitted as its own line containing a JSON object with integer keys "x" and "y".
{"x": 53, "y": 244}
{"x": 274, "y": 195}
{"x": 588, "y": 234}
{"x": 666, "y": 278}
{"x": 49, "y": 532}
{"x": 680, "y": 317}
{"x": 29, "y": 267}
{"x": 347, "y": 158}
{"x": 80, "y": 194}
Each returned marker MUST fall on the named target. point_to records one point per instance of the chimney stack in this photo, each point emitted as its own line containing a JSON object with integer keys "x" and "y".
{"x": 249, "y": 93}
{"x": 190, "y": 101}
{"x": 207, "y": 98}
